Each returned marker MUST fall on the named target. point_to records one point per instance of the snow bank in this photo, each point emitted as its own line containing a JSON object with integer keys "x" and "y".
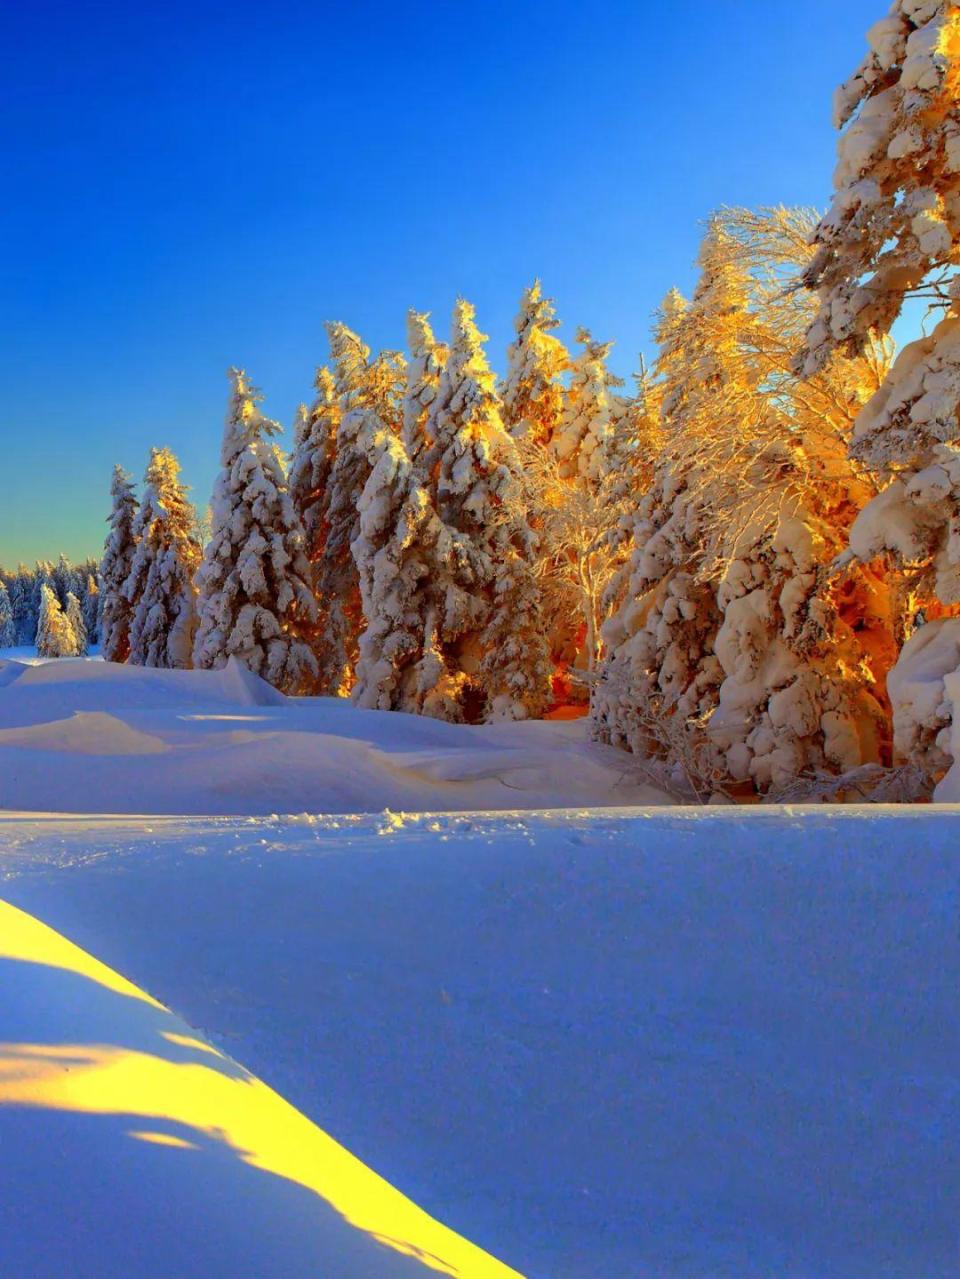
{"x": 98, "y": 737}
{"x": 674, "y": 1042}
{"x": 133, "y": 1147}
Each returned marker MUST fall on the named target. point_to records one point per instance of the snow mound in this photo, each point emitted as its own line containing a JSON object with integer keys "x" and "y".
{"x": 131, "y": 1146}
{"x": 84, "y": 733}
{"x": 225, "y": 742}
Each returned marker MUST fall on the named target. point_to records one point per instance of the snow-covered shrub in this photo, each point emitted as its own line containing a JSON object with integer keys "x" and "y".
{"x": 115, "y": 608}
{"x": 159, "y": 586}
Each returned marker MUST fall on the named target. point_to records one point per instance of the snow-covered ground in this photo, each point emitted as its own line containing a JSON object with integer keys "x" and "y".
{"x": 657, "y": 1043}
{"x": 89, "y": 736}
{"x": 589, "y": 1041}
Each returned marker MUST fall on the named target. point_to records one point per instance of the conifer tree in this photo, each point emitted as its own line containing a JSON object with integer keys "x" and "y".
{"x": 729, "y": 619}
{"x": 90, "y": 605}
{"x": 160, "y": 586}
{"x": 115, "y": 609}
{"x": 395, "y": 549}
{"x": 315, "y": 437}
{"x": 255, "y": 600}
{"x": 532, "y": 391}
{"x": 893, "y": 233}
{"x": 21, "y": 590}
{"x": 8, "y": 630}
{"x": 491, "y": 666}
{"x": 427, "y": 358}
{"x": 362, "y": 385}
{"x": 75, "y": 620}
{"x": 55, "y": 636}
{"x": 584, "y": 433}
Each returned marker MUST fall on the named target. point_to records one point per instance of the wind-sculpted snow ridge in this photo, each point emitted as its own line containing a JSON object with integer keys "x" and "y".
{"x": 80, "y": 736}
{"x": 134, "y": 1147}
{"x": 673, "y": 1042}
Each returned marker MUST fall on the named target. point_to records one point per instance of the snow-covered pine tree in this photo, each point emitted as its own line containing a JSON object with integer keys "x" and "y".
{"x": 892, "y": 233}
{"x": 399, "y": 540}
{"x": 255, "y": 598}
{"x": 315, "y": 437}
{"x": 8, "y": 629}
{"x": 21, "y": 593}
{"x": 74, "y": 616}
{"x": 424, "y": 366}
{"x": 583, "y": 435}
{"x": 55, "y": 636}
{"x": 532, "y": 391}
{"x": 160, "y": 583}
{"x": 363, "y": 386}
{"x": 766, "y": 490}
{"x": 90, "y": 605}
{"x": 115, "y": 609}
{"x": 492, "y": 658}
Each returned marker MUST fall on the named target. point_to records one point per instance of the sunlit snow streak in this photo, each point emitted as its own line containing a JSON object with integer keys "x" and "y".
{"x": 219, "y": 1101}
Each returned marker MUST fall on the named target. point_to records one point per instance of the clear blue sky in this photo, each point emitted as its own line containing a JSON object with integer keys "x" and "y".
{"x": 190, "y": 185}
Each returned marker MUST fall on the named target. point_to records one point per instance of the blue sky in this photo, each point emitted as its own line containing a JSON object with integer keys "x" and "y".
{"x": 191, "y": 185}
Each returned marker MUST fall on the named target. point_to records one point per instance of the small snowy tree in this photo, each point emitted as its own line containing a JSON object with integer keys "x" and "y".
{"x": 21, "y": 595}
{"x": 427, "y": 358}
{"x": 55, "y": 635}
{"x": 74, "y": 617}
{"x": 160, "y": 586}
{"x": 115, "y": 609}
{"x": 255, "y": 599}
{"x": 532, "y": 390}
{"x": 8, "y": 630}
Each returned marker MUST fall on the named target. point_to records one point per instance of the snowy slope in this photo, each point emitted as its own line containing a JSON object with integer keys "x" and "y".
{"x": 673, "y": 1043}
{"x": 131, "y": 1147}
{"x": 82, "y": 736}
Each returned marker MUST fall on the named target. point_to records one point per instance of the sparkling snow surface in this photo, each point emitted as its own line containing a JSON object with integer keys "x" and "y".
{"x": 652, "y": 1042}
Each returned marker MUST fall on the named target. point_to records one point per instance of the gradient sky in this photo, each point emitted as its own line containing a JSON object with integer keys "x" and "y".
{"x": 190, "y": 185}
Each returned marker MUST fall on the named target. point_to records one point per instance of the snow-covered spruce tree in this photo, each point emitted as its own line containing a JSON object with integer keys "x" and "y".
{"x": 424, "y": 366}
{"x": 74, "y": 616}
{"x": 892, "y": 233}
{"x": 491, "y": 659}
{"x": 55, "y": 636}
{"x": 160, "y": 586}
{"x": 583, "y": 434}
{"x": 8, "y": 629}
{"x": 790, "y": 680}
{"x": 315, "y": 435}
{"x": 90, "y": 606}
{"x": 532, "y": 391}
{"x": 116, "y": 611}
{"x": 255, "y": 597}
{"x": 21, "y": 594}
{"x": 361, "y": 385}
{"x": 399, "y": 541}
